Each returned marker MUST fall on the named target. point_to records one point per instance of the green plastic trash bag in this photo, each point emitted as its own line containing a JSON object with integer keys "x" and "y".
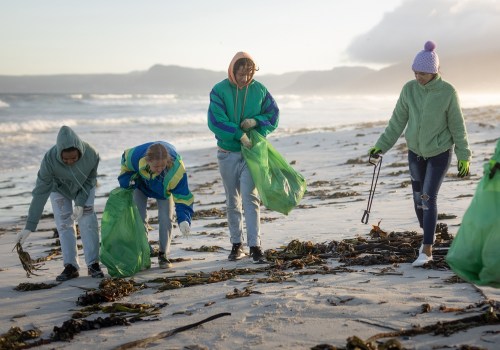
{"x": 280, "y": 186}
{"x": 474, "y": 254}
{"x": 124, "y": 242}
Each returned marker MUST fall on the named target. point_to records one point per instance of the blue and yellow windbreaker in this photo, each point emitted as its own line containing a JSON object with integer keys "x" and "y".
{"x": 171, "y": 181}
{"x": 230, "y": 105}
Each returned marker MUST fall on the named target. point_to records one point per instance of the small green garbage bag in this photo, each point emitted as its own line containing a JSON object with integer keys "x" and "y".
{"x": 474, "y": 254}
{"x": 124, "y": 242}
{"x": 280, "y": 186}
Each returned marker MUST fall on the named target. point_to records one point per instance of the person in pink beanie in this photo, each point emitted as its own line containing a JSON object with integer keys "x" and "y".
{"x": 429, "y": 113}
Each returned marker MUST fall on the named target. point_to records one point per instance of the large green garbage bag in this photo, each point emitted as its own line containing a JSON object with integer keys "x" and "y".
{"x": 280, "y": 186}
{"x": 124, "y": 242}
{"x": 474, "y": 254}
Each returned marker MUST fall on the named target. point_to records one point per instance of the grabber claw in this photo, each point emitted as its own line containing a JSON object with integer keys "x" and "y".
{"x": 376, "y": 161}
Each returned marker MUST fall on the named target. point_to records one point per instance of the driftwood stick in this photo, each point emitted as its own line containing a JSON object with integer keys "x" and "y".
{"x": 444, "y": 328}
{"x": 143, "y": 342}
{"x": 375, "y": 324}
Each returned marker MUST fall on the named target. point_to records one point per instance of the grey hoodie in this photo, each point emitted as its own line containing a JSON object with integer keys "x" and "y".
{"x": 73, "y": 181}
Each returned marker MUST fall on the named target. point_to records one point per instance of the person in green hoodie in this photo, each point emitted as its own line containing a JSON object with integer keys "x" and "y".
{"x": 237, "y": 104}
{"x": 68, "y": 174}
{"x": 428, "y": 107}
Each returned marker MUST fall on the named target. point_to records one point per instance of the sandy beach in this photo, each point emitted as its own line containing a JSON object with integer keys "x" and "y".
{"x": 315, "y": 301}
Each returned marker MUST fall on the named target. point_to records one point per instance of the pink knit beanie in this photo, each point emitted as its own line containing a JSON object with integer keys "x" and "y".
{"x": 427, "y": 60}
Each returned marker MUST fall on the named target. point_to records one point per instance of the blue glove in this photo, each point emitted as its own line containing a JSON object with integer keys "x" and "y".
{"x": 463, "y": 168}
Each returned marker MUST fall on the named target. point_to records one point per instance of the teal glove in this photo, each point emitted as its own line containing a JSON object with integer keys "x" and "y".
{"x": 374, "y": 152}
{"x": 494, "y": 166}
{"x": 463, "y": 168}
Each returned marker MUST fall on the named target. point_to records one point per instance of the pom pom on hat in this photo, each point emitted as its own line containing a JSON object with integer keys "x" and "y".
{"x": 429, "y": 46}
{"x": 427, "y": 60}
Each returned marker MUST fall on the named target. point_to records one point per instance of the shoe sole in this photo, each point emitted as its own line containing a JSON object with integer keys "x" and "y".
{"x": 260, "y": 262}
{"x": 62, "y": 279}
{"x": 238, "y": 257}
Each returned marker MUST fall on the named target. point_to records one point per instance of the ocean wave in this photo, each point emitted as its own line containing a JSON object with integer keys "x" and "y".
{"x": 39, "y": 125}
{"x": 184, "y": 120}
{"x": 3, "y": 104}
{"x": 125, "y": 99}
{"x": 34, "y": 126}
{"x": 18, "y": 139}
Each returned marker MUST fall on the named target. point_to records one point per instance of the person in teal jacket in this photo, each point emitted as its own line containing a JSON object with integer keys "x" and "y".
{"x": 68, "y": 173}
{"x": 238, "y": 104}
{"x": 156, "y": 170}
{"x": 429, "y": 109}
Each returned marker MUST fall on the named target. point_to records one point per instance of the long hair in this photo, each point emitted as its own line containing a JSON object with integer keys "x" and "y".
{"x": 158, "y": 152}
{"x": 248, "y": 64}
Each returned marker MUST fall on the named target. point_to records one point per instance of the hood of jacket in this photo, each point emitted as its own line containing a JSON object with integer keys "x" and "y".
{"x": 67, "y": 138}
{"x": 230, "y": 70}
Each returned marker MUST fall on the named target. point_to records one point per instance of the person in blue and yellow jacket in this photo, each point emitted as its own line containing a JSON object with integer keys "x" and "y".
{"x": 238, "y": 104}
{"x": 429, "y": 109}
{"x": 156, "y": 170}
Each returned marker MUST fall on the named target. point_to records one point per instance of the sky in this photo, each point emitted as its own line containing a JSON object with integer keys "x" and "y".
{"x": 122, "y": 36}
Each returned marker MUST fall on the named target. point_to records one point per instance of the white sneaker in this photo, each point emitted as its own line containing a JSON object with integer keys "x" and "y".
{"x": 421, "y": 260}
{"x": 422, "y": 248}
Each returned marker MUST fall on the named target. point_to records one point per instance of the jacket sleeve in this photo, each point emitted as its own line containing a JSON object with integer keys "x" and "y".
{"x": 218, "y": 121}
{"x": 182, "y": 196}
{"x": 126, "y": 173}
{"x": 396, "y": 126}
{"x": 89, "y": 184}
{"x": 41, "y": 192}
{"x": 268, "y": 120}
{"x": 456, "y": 125}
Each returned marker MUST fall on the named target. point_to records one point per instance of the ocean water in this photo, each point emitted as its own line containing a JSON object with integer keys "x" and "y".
{"x": 111, "y": 123}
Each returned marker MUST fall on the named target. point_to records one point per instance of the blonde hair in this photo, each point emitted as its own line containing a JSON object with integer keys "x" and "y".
{"x": 158, "y": 152}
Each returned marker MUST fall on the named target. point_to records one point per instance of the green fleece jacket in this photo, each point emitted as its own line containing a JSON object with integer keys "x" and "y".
{"x": 73, "y": 181}
{"x": 433, "y": 120}
{"x": 230, "y": 104}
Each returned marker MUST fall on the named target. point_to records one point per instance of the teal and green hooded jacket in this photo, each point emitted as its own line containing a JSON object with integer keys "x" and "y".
{"x": 230, "y": 105}
{"x": 72, "y": 181}
{"x": 172, "y": 181}
{"x": 433, "y": 120}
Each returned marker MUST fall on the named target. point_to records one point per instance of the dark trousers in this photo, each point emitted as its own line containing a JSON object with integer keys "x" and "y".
{"x": 427, "y": 175}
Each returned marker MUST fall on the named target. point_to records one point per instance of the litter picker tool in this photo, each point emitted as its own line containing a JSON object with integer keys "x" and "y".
{"x": 376, "y": 161}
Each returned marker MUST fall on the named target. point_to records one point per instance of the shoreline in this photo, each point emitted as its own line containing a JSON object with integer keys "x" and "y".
{"x": 308, "y": 307}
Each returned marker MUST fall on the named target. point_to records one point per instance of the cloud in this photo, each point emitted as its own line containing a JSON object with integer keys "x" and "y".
{"x": 458, "y": 27}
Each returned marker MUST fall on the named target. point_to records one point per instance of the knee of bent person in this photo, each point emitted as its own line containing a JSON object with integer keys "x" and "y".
{"x": 88, "y": 209}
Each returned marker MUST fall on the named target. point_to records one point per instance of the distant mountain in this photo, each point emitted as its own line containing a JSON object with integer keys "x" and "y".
{"x": 466, "y": 74}
{"x": 157, "y": 80}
